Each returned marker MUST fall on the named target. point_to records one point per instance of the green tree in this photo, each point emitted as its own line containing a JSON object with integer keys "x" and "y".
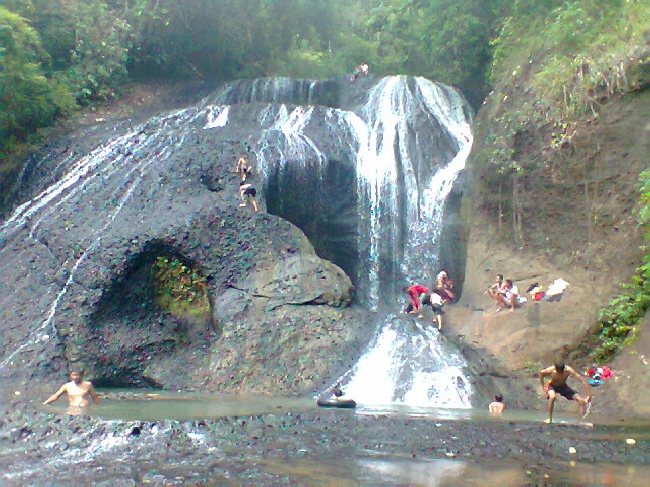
{"x": 87, "y": 43}
{"x": 27, "y": 100}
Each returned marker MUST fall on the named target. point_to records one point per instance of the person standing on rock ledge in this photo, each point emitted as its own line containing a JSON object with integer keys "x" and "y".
{"x": 80, "y": 391}
{"x": 559, "y": 373}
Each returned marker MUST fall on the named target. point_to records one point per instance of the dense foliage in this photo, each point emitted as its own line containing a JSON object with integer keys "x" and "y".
{"x": 577, "y": 55}
{"x": 180, "y": 288}
{"x": 56, "y": 54}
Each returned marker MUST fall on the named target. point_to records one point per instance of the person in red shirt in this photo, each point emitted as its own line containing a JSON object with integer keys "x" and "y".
{"x": 414, "y": 292}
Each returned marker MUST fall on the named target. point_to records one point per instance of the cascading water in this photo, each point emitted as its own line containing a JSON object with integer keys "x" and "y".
{"x": 401, "y": 206}
{"x": 402, "y": 182}
{"x": 372, "y": 178}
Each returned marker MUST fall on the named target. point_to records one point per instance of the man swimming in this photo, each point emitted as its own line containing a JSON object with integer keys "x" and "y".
{"x": 80, "y": 392}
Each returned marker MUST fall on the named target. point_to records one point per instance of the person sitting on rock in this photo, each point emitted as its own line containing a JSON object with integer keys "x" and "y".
{"x": 361, "y": 69}
{"x": 444, "y": 283}
{"x": 508, "y": 296}
{"x": 495, "y": 289}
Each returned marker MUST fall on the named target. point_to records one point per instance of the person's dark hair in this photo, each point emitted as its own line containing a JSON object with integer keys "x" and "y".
{"x": 559, "y": 366}
{"x": 337, "y": 392}
{"x": 498, "y": 398}
{"x": 500, "y": 277}
{"x": 508, "y": 283}
{"x": 405, "y": 289}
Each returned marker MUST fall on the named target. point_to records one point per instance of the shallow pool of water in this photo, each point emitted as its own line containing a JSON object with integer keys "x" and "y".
{"x": 367, "y": 467}
{"x": 151, "y": 405}
{"x": 454, "y": 472}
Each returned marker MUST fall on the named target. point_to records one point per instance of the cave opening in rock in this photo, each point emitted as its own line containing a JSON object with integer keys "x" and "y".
{"x": 158, "y": 308}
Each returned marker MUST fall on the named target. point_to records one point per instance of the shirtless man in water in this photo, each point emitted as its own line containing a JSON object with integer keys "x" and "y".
{"x": 557, "y": 385}
{"x": 79, "y": 391}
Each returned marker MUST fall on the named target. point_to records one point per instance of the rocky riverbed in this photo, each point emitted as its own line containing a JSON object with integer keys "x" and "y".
{"x": 314, "y": 447}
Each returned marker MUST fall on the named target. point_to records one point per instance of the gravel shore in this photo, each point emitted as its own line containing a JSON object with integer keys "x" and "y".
{"x": 314, "y": 447}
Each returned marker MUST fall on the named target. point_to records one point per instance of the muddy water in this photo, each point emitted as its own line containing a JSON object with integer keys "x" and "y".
{"x": 453, "y": 472}
{"x": 313, "y": 449}
{"x": 123, "y": 405}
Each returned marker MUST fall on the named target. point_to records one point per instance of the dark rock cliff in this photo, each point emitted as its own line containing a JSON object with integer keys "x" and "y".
{"x": 96, "y": 212}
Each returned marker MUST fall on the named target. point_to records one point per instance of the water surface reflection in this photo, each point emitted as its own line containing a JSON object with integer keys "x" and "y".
{"x": 375, "y": 466}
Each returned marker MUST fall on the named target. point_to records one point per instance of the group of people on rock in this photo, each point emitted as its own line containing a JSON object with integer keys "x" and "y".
{"x": 361, "y": 70}
{"x": 420, "y": 295}
{"x": 504, "y": 293}
{"x": 506, "y": 296}
{"x": 247, "y": 192}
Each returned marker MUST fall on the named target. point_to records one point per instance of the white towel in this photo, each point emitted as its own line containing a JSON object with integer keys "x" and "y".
{"x": 558, "y": 287}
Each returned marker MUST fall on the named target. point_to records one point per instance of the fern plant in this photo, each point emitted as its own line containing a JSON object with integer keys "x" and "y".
{"x": 180, "y": 288}
{"x": 619, "y": 322}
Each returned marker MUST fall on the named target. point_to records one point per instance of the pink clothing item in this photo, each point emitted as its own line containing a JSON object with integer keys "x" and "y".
{"x": 414, "y": 293}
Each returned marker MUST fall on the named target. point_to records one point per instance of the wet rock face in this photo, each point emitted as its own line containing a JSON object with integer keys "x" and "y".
{"x": 321, "y": 201}
{"x": 101, "y": 205}
{"x": 96, "y": 255}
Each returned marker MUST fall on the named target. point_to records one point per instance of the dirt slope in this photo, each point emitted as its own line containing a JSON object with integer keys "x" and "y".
{"x": 587, "y": 237}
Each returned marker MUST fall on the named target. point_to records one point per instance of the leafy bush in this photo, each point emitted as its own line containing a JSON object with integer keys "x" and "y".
{"x": 27, "y": 100}
{"x": 180, "y": 288}
{"x": 531, "y": 367}
{"x": 619, "y": 321}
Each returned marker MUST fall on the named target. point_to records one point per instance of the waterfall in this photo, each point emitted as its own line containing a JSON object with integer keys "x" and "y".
{"x": 399, "y": 141}
{"x": 402, "y": 207}
{"x": 408, "y": 364}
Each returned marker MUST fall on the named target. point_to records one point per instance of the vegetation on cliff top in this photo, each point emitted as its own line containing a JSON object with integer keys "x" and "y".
{"x": 569, "y": 62}
{"x": 57, "y": 55}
